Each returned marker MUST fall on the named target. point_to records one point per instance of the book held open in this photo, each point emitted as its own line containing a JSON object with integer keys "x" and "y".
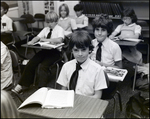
{"x": 48, "y": 44}
{"x": 50, "y": 98}
{"x": 116, "y": 74}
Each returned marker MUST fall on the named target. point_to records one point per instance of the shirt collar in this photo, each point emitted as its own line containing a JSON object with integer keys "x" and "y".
{"x": 104, "y": 43}
{"x": 85, "y": 64}
{"x": 3, "y": 16}
{"x": 63, "y": 18}
{"x": 131, "y": 24}
{"x": 81, "y": 16}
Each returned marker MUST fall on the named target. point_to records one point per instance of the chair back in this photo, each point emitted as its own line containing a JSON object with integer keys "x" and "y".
{"x": 40, "y": 16}
{"x": 15, "y": 61}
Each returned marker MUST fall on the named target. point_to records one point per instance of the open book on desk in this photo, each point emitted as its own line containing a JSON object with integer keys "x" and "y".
{"x": 128, "y": 39}
{"x": 50, "y": 98}
{"x": 116, "y": 74}
{"x": 47, "y": 44}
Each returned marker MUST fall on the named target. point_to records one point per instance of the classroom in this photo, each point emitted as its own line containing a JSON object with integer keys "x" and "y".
{"x": 99, "y": 50}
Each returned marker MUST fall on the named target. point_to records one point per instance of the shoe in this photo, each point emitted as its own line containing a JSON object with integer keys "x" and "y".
{"x": 18, "y": 89}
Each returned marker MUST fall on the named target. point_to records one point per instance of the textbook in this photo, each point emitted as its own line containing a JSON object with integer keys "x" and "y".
{"x": 116, "y": 74}
{"x": 50, "y": 98}
{"x": 47, "y": 44}
{"x": 128, "y": 39}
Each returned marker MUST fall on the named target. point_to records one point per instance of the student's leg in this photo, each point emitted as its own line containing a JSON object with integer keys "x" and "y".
{"x": 44, "y": 77}
{"x": 27, "y": 77}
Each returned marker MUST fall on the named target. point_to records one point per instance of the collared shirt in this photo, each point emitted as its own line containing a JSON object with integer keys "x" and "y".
{"x": 6, "y": 23}
{"x": 57, "y": 32}
{"x": 68, "y": 24}
{"x": 91, "y": 77}
{"x": 6, "y": 67}
{"x": 82, "y": 21}
{"x": 111, "y": 51}
{"x": 130, "y": 29}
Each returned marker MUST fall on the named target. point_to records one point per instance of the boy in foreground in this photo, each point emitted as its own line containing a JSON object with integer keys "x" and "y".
{"x": 81, "y": 74}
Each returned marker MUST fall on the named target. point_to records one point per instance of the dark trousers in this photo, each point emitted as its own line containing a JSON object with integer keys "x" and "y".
{"x": 44, "y": 57}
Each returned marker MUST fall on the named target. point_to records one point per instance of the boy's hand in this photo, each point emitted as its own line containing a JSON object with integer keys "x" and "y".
{"x": 43, "y": 40}
{"x": 30, "y": 43}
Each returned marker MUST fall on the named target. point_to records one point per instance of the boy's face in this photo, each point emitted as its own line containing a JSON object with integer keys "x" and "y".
{"x": 100, "y": 34}
{"x": 2, "y": 11}
{"x": 80, "y": 54}
{"x": 79, "y": 13}
{"x": 52, "y": 24}
{"x": 63, "y": 12}
{"x": 127, "y": 20}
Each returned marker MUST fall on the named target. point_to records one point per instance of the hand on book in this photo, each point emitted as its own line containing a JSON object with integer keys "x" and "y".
{"x": 30, "y": 43}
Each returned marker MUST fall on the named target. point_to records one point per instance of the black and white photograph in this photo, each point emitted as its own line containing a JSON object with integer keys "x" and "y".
{"x": 75, "y": 59}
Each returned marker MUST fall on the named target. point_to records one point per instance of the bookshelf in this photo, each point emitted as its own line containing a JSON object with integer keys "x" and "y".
{"x": 114, "y": 8}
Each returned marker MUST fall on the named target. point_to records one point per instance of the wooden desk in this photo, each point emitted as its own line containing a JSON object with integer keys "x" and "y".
{"x": 84, "y": 107}
{"x": 126, "y": 43}
{"x": 37, "y": 47}
{"x": 17, "y": 19}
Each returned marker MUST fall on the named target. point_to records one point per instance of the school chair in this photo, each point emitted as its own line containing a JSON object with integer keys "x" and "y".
{"x": 57, "y": 64}
{"x": 16, "y": 69}
{"x": 39, "y": 17}
{"x": 110, "y": 93}
{"x": 21, "y": 37}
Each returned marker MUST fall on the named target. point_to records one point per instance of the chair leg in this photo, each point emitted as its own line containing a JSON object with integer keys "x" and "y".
{"x": 57, "y": 72}
{"x": 134, "y": 77}
{"x": 120, "y": 102}
{"x": 114, "y": 106}
{"x": 26, "y": 47}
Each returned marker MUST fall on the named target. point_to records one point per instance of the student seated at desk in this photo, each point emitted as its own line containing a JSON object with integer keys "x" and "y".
{"x": 67, "y": 23}
{"x": 82, "y": 74}
{"x": 52, "y": 33}
{"x": 6, "y": 23}
{"x": 106, "y": 52}
{"x": 6, "y": 67}
{"x": 81, "y": 20}
{"x": 129, "y": 29}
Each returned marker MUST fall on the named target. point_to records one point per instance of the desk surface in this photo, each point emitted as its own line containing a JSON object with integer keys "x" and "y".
{"x": 126, "y": 43}
{"x": 84, "y": 107}
{"x": 38, "y": 47}
{"x": 17, "y": 19}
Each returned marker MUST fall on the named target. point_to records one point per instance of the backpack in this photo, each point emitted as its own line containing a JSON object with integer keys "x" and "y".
{"x": 142, "y": 83}
{"x": 137, "y": 107}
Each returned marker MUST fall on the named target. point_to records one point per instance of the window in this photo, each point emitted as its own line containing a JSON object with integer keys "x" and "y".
{"x": 11, "y": 3}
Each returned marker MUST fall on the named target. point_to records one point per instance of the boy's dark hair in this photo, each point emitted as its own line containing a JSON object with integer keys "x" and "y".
{"x": 103, "y": 21}
{"x": 80, "y": 39}
{"x": 78, "y": 7}
{"x": 66, "y": 7}
{"x": 129, "y": 12}
{"x": 5, "y": 6}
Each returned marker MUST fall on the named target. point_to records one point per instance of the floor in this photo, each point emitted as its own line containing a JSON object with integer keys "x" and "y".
{"x": 124, "y": 87}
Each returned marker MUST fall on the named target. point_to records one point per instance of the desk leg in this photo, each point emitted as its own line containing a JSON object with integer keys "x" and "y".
{"x": 134, "y": 77}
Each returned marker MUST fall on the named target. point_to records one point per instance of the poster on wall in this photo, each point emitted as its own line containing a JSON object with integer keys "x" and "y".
{"x": 48, "y": 6}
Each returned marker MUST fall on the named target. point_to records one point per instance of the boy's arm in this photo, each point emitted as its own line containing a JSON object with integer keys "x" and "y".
{"x": 53, "y": 40}
{"x": 113, "y": 35}
{"x": 97, "y": 94}
{"x": 118, "y": 64}
{"x": 34, "y": 40}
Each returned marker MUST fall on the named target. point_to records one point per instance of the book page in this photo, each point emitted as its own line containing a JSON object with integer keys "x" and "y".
{"x": 133, "y": 39}
{"x": 116, "y": 74}
{"x": 59, "y": 99}
{"x": 37, "y": 97}
{"x": 51, "y": 45}
{"x": 40, "y": 43}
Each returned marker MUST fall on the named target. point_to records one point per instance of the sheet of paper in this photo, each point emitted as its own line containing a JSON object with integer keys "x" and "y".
{"x": 59, "y": 99}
